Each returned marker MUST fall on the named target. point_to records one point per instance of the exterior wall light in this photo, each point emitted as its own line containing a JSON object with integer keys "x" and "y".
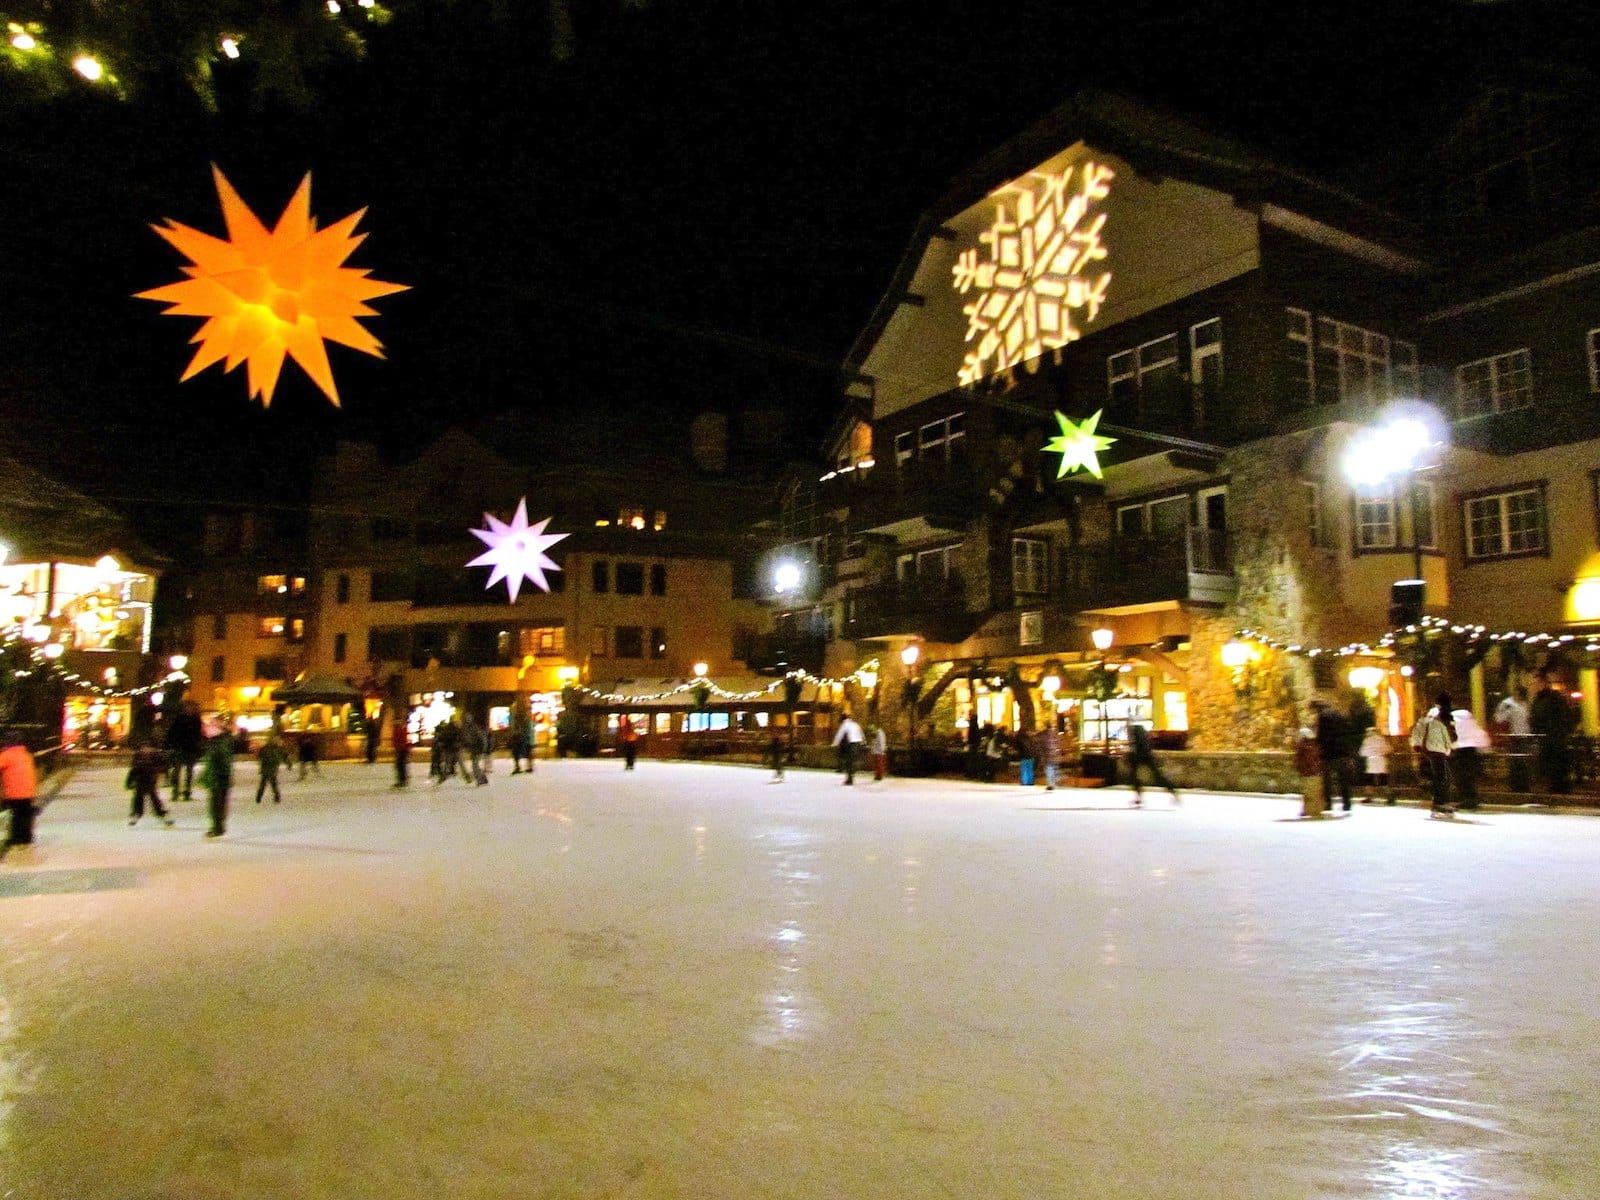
{"x": 1367, "y": 679}
{"x": 786, "y": 577}
{"x": 911, "y": 654}
{"x": 1234, "y": 654}
{"x": 53, "y": 650}
{"x": 1050, "y": 684}
{"x": 567, "y": 674}
{"x": 178, "y": 662}
{"x": 1102, "y": 638}
{"x": 700, "y": 670}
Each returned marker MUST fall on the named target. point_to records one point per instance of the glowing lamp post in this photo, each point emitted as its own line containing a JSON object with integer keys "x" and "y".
{"x": 1393, "y": 451}
{"x": 700, "y": 670}
{"x": 786, "y": 577}
{"x": 1102, "y": 639}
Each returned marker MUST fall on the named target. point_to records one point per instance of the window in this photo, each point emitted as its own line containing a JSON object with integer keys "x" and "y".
{"x": 936, "y": 564}
{"x": 939, "y": 440}
{"x": 1312, "y": 492}
{"x": 1375, "y": 523}
{"x": 272, "y": 627}
{"x": 296, "y": 632}
{"x": 1491, "y": 385}
{"x": 1162, "y": 519}
{"x": 544, "y": 641}
{"x": 1422, "y": 517}
{"x": 268, "y": 585}
{"x": 219, "y": 670}
{"x": 903, "y": 449}
{"x": 1299, "y": 358}
{"x": 392, "y": 644}
{"x": 1144, "y": 384}
{"x": 600, "y": 642}
{"x": 630, "y": 579}
{"x": 658, "y": 579}
{"x": 1506, "y": 523}
{"x": 341, "y": 643}
{"x": 1030, "y": 628}
{"x": 276, "y": 667}
{"x": 630, "y": 641}
{"x": 630, "y": 518}
{"x": 1594, "y": 360}
{"x": 1205, "y": 367}
{"x": 219, "y": 627}
{"x": 1359, "y": 365}
{"x": 658, "y": 643}
{"x": 601, "y": 576}
{"x": 1030, "y": 573}
{"x": 297, "y": 585}
{"x": 341, "y": 590}
{"x": 390, "y": 585}
{"x": 905, "y": 568}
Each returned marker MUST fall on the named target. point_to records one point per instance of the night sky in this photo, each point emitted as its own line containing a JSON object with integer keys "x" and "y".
{"x": 697, "y": 211}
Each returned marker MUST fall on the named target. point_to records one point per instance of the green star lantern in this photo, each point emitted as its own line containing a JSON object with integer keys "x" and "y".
{"x": 1078, "y": 444}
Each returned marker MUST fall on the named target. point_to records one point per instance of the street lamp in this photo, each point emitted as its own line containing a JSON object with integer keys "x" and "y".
{"x": 1395, "y": 449}
{"x": 1102, "y": 639}
{"x": 178, "y": 662}
{"x": 786, "y": 577}
{"x": 700, "y": 670}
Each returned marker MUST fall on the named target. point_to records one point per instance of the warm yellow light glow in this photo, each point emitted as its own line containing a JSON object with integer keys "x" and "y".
{"x": 1407, "y": 671}
{"x": 700, "y": 670}
{"x": 1583, "y": 602}
{"x": 333, "y": 7}
{"x": 1033, "y": 273}
{"x": 1234, "y": 654}
{"x": 910, "y": 655}
{"x": 1367, "y": 679}
{"x": 251, "y": 692}
{"x": 1102, "y": 638}
{"x": 266, "y": 293}
{"x": 157, "y": 697}
{"x": 1050, "y": 684}
{"x": 106, "y": 563}
{"x": 230, "y": 47}
{"x": 53, "y": 649}
{"x": 178, "y": 662}
{"x": 23, "y": 40}
{"x": 567, "y": 674}
{"x": 88, "y": 66}
{"x": 869, "y": 679}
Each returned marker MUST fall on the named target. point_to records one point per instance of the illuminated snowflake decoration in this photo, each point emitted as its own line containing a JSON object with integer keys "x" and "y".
{"x": 266, "y": 293}
{"x": 516, "y": 551}
{"x": 1037, "y": 271}
{"x": 1078, "y": 444}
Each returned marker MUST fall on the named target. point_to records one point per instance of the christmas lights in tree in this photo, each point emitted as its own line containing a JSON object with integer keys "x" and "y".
{"x": 516, "y": 550}
{"x": 265, "y": 292}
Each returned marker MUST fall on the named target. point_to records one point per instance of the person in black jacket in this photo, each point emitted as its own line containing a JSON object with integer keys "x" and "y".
{"x": 1334, "y": 740}
{"x": 185, "y": 739}
{"x": 1142, "y": 757}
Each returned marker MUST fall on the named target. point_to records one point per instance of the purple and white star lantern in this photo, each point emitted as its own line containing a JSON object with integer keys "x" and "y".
{"x": 516, "y": 551}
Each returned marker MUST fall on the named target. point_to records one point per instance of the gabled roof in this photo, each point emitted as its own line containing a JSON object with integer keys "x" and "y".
{"x": 43, "y": 520}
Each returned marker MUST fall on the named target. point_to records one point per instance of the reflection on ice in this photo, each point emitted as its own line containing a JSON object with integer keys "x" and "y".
{"x": 791, "y": 856}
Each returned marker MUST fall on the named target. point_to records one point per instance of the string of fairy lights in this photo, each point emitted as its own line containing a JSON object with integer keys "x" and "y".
{"x": 866, "y": 675}
{"x": 45, "y": 659}
{"x": 33, "y": 46}
{"x": 1469, "y": 635}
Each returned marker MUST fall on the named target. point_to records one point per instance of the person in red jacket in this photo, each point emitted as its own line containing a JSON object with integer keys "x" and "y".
{"x": 19, "y": 785}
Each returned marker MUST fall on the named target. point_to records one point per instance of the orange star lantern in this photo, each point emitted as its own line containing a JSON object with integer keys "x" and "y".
{"x": 265, "y": 292}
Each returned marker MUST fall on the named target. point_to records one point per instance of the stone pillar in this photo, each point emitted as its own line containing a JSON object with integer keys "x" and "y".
{"x": 1479, "y": 703}
{"x": 1588, "y": 681}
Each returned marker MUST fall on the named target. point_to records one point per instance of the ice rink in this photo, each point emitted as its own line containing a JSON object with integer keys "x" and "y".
{"x": 686, "y": 981}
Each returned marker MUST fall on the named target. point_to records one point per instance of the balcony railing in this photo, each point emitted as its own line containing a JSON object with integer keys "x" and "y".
{"x": 931, "y": 608}
{"x": 1196, "y": 565}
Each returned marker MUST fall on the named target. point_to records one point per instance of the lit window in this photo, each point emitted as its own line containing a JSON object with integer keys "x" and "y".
{"x": 630, "y": 518}
{"x": 1375, "y": 524}
{"x": 660, "y": 520}
{"x": 272, "y": 627}
{"x": 1505, "y": 524}
{"x": 272, "y": 585}
{"x": 297, "y": 585}
{"x": 1029, "y": 565}
{"x": 1491, "y": 385}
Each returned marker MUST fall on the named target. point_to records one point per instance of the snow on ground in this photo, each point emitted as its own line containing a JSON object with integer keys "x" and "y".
{"x": 686, "y": 981}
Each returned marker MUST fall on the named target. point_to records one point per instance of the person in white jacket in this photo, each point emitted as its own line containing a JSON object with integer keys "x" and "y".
{"x": 1433, "y": 738}
{"x": 1471, "y": 740}
{"x": 1375, "y": 758}
{"x": 849, "y": 740}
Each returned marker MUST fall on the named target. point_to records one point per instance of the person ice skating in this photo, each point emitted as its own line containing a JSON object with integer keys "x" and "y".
{"x": 521, "y": 739}
{"x": 19, "y": 787}
{"x": 628, "y": 741}
{"x": 1142, "y": 757}
{"x": 217, "y": 778}
{"x": 1471, "y": 740}
{"x": 475, "y": 745}
{"x": 184, "y": 742}
{"x": 994, "y": 752}
{"x": 1049, "y": 749}
{"x": 879, "y": 743}
{"x": 447, "y": 751}
{"x": 1433, "y": 737}
{"x": 849, "y": 739}
{"x": 144, "y": 777}
{"x": 775, "y": 756}
{"x": 1552, "y": 719}
{"x": 308, "y": 755}
{"x": 270, "y": 758}
{"x": 1511, "y": 723}
{"x": 1333, "y": 740}
{"x": 400, "y": 738}
{"x": 1375, "y": 758}
{"x": 374, "y": 734}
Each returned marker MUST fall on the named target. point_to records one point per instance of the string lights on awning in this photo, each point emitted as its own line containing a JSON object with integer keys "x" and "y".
{"x": 1469, "y": 635}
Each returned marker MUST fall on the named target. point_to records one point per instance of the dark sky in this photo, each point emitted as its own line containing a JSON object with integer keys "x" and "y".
{"x": 699, "y": 210}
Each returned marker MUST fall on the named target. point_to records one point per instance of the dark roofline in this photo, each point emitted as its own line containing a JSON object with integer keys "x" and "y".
{"x": 1156, "y": 141}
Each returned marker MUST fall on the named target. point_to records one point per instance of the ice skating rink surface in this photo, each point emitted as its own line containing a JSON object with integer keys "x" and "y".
{"x": 686, "y": 981}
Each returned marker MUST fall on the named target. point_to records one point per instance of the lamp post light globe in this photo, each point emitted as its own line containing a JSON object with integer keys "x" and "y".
{"x": 178, "y": 662}
{"x": 786, "y": 577}
{"x": 1102, "y": 638}
{"x": 911, "y": 654}
{"x": 700, "y": 670}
